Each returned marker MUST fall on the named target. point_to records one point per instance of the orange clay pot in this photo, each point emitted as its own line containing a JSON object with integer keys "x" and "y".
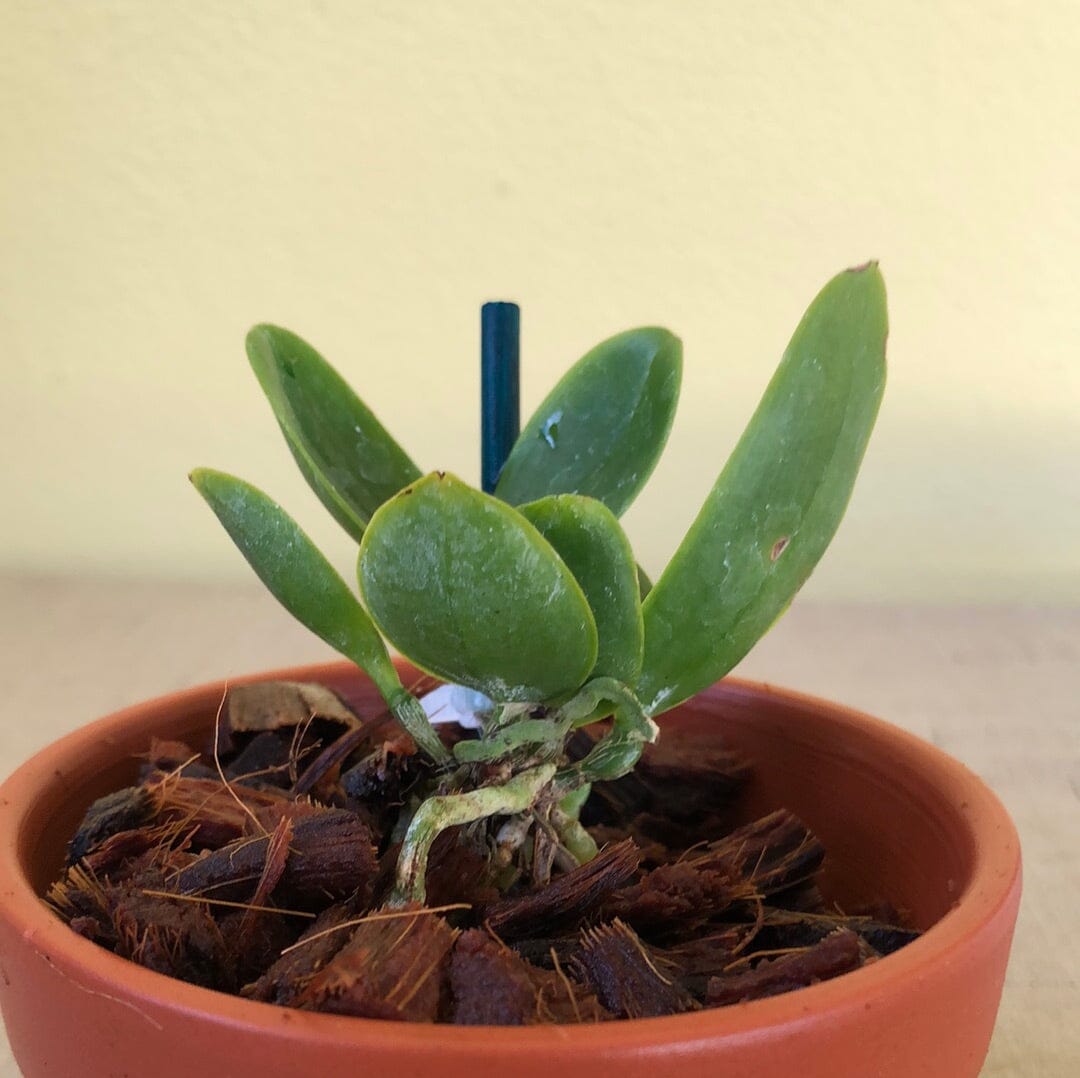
{"x": 899, "y": 819}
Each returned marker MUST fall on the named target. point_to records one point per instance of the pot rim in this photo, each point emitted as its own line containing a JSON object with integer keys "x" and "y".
{"x": 989, "y": 894}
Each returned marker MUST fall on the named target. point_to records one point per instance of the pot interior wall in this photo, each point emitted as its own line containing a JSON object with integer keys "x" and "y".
{"x": 890, "y": 832}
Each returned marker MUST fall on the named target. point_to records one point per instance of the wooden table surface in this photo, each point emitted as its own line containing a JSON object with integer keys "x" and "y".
{"x": 999, "y": 688}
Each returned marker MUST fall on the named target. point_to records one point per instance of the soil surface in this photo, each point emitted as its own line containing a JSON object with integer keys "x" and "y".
{"x": 260, "y": 864}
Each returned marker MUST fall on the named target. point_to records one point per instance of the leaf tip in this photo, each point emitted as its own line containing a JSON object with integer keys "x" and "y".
{"x": 257, "y": 336}
{"x": 666, "y": 344}
{"x": 869, "y": 275}
{"x": 263, "y": 329}
{"x": 198, "y": 477}
{"x": 269, "y": 347}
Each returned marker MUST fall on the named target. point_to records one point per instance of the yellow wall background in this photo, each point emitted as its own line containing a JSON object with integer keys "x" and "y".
{"x": 368, "y": 173}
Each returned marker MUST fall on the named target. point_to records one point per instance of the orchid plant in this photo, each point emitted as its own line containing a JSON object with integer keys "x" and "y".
{"x": 530, "y": 598}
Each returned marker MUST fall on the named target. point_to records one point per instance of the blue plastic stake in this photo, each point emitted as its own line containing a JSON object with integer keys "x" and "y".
{"x": 500, "y": 357}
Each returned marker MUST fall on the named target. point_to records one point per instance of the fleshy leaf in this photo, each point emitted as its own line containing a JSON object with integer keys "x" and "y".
{"x": 308, "y": 586}
{"x": 779, "y": 499}
{"x": 334, "y": 505}
{"x": 601, "y": 430}
{"x": 470, "y": 591}
{"x": 588, "y": 538}
{"x": 346, "y": 455}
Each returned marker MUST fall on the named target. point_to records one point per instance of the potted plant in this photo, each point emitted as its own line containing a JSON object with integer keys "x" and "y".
{"x": 557, "y": 658}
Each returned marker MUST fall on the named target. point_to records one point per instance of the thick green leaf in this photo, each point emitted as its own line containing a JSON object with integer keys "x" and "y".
{"x": 588, "y": 538}
{"x": 334, "y": 505}
{"x": 307, "y": 585}
{"x": 296, "y": 572}
{"x": 600, "y": 431}
{"x": 470, "y": 591}
{"x": 343, "y": 451}
{"x": 779, "y": 499}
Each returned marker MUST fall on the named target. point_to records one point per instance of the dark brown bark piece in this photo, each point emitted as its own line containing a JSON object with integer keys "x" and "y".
{"x": 89, "y": 928}
{"x": 771, "y": 854}
{"x": 884, "y": 939}
{"x": 568, "y": 898}
{"x": 256, "y": 936}
{"x": 545, "y": 951}
{"x": 381, "y": 781}
{"x": 269, "y": 816}
{"x": 674, "y": 896}
{"x": 214, "y": 814}
{"x": 290, "y": 974}
{"x": 561, "y": 1000}
{"x": 110, "y": 859}
{"x": 263, "y": 941}
{"x": 459, "y": 870}
{"x": 253, "y": 921}
{"x": 785, "y": 928}
{"x": 838, "y": 953}
{"x": 688, "y": 781}
{"x": 804, "y": 897}
{"x": 329, "y": 761}
{"x": 123, "y": 810}
{"x": 266, "y": 758}
{"x": 82, "y": 894}
{"x": 678, "y": 793}
{"x": 179, "y": 939}
{"x": 489, "y": 984}
{"x": 653, "y": 852}
{"x": 625, "y": 976}
{"x": 330, "y": 856}
{"x": 695, "y": 961}
{"x": 229, "y": 874}
{"x": 394, "y": 969}
{"x": 79, "y": 898}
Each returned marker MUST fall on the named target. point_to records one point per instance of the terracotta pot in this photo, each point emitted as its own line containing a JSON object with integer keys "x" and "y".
{"x": 898, "y": 818}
